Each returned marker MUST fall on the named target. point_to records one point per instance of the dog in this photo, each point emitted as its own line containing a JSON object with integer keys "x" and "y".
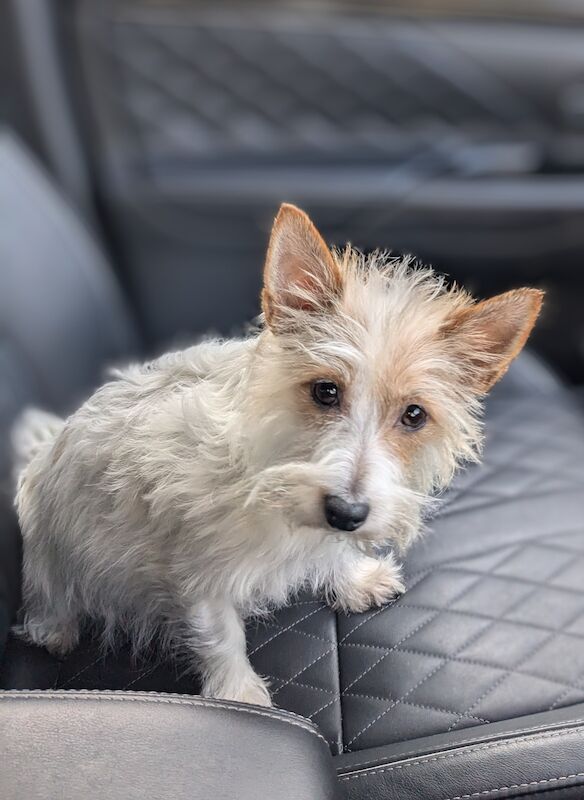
{"x": 212, "y": 484}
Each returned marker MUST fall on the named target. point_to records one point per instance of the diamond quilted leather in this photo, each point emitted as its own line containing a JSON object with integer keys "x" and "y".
{"x": 491, "y": 625}
{"x": 190, "y": 82}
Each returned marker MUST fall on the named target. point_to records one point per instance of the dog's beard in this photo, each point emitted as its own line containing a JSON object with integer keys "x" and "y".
{"x": 295, "y": 490}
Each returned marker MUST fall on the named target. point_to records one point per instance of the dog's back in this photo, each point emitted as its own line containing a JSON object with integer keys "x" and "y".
{"x": 32, "y": 432}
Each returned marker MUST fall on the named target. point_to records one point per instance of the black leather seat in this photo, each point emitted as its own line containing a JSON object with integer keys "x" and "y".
{"x": 472, "y": 684}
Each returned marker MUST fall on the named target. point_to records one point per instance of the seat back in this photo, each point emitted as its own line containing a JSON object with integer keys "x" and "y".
{"x": 62, "y": 320}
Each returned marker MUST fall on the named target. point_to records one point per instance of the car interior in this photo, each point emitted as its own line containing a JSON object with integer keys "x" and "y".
{"x": 145, "y": 146}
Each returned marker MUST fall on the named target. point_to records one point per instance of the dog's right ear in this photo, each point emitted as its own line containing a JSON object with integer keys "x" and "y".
{"x": 300, "y": 273}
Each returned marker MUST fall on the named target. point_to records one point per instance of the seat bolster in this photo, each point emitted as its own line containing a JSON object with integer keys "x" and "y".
{"x": 77, "y": 745}
{"x": 533, "y": 755}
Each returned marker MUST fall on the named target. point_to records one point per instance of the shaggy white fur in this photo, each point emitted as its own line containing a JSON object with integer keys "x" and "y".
{"x": 188, "y": 493}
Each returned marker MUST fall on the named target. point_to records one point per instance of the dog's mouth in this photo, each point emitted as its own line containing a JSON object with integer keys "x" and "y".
{"x": 299, "y": 494}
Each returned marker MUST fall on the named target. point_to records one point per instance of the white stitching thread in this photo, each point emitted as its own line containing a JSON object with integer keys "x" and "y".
{"x": 530, "y": 654}
{"x": 487, "y": 792}
{"x": 445, "y": 659}
{"x": 446, "y": 756}
{"x": 508, "y": 734}
{"x": 83, "y": 669}
{"x": 425, "y": 706}
{"x": 287, "y": 681}
{"x": 411, "y": 584}
{"x": 146, "y": 697}
{"x": 474, "y": 661}
{"x": 280, "y": 631}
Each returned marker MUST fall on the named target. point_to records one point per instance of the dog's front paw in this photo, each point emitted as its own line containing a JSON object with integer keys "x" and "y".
{"x": 255, "y": 694}
{"x": 250, "y": 689}
{"x": 58, "y": 637}
{"x": 374, "y": 584}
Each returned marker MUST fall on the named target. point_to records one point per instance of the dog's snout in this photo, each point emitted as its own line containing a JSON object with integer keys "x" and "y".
{"x": 343, "y": 515}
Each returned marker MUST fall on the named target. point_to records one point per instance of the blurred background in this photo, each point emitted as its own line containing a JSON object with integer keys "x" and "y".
{"x": 170, "y": 131}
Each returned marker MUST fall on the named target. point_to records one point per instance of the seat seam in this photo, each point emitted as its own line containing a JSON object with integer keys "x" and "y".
{"x": 508, "y": 736}
{"x": 475, "y": 661}
{"x": 298, "y": 683}
{"x": 82, "y": 670}
{"x": 574, "y": 687}
{"x": 287, "y": 628}
{"x": 456, "y": 754}
{"x": 157, "y": 699}
{"x": 288, "y": 681}
{"x": 530, "y": 654}
{"x": 452, "y": 561}
{"x": 425, "y": 706}
{"x": 420, "y": 575}
{"x": 341, "y": 737}
{"x": 487, "y": 792}
{"x": 475, "y": 615}
{"x": 313, "y": 635}
{"x": 433, "y": 671}
{"x": 143, "y": 674}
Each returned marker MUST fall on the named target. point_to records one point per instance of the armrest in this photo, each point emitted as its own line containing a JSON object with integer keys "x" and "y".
{"x": 128, "y": 745}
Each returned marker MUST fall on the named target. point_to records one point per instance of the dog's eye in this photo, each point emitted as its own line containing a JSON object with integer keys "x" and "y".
{"x": 414, "y": 417}
{"x": 325, "y": 393}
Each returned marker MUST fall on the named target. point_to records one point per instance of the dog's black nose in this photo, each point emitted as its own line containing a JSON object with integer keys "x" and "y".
{"x": 343, "y": 515}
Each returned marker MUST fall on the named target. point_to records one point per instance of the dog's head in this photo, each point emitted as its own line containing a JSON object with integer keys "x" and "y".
{"x": 365, "y": 393}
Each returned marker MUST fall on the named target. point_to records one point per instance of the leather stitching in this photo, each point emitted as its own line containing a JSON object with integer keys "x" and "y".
{"x": 287, "y": 628}
{"x": 413, "y": 581}
{"x": 82, "y": 670}
{"x": 143, "y": 674}
{"x": 530, "y": 654}
{"x": 463, "y": 660}
{"x": 322, "y": 708}
{"x": 455, "y": 599}
{"x": 457, "y": 754}
{"x": 478, "y": 615}
{"x": 487, "y": 792}
{"x": 307, "y": 666}
{"x": 301, "y": 684}
{"x": 576, "y": 685}
{"x": 193, "y": 702}
{"x": 509, "y": 736}
{"x": 424, "y": 706}
{"x": 315, "y": 637}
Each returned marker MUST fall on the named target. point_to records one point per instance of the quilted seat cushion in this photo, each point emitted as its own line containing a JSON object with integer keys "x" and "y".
{"x": 491, "y": 626}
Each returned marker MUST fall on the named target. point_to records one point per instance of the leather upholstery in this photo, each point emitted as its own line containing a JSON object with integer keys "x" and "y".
{"x": 132, "y": 746}
{"x": 540, "y": 754}
{"x": 62, "y": 320}
{"x": 492, "y": 624}
{"x": 62, "y": 317}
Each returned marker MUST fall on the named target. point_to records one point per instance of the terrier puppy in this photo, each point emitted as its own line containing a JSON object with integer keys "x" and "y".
{"x": 211, "y": 484}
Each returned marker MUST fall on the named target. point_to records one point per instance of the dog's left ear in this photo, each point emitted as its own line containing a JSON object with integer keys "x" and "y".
{"x": 490, "y": 334}
{"x": 300, "y": 273}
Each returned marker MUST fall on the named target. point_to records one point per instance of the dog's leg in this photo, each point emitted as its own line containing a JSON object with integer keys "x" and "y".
{"x": 217, "y": 637}
{"x": 359, "y": 582}
{"x": 59, "y": 634}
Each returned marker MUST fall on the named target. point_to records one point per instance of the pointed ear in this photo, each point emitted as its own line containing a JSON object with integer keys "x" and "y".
{"x": 300, "y": 272}
{"x": 490, "y": 334}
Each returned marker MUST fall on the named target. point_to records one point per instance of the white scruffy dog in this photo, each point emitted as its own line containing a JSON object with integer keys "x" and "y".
{"x": 211, "y": 484}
